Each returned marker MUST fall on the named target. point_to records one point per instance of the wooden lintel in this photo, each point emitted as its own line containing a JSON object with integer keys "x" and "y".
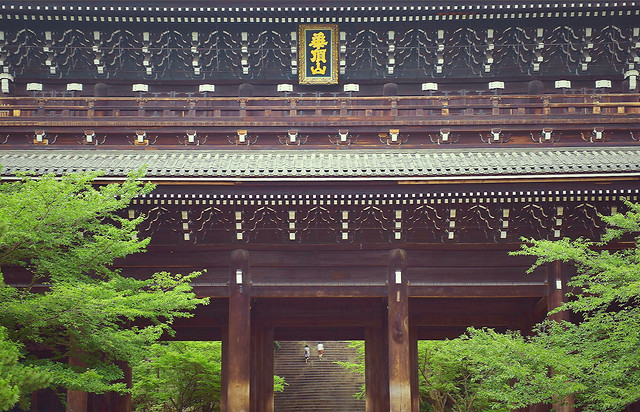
{"x": 477, "y": 291}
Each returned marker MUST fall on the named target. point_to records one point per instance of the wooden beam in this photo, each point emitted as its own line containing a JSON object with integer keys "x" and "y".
{"x": 479, "y": 291}
{"x": 319, "y": 334}
{"x": 318, "y": 291}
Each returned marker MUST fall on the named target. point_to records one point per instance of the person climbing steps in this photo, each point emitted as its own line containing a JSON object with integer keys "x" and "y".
{"x": 307, "y": 353}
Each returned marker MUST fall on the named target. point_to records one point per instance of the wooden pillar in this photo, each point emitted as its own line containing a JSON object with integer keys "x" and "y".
{"x": 113, "y": 401}
{"x": 262, "y": 360}
{"x": 224, "y": 378}
{"x": 398, "y": 334}
{"x": 556, "y": 283}
{"x": 268, "y": 365}
{"x": 376, "y": 363}
{"x": 77, "y": 401}
{"x": 239, "y": 337}
{"x": 123, "y": 402}
{"x": 415, "y": 379}
{"x": 34, "y": 402}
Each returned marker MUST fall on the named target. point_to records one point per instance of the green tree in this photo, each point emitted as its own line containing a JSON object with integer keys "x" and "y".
{"x": 604, "y": 345}
{"x": 63, "y": 235}
{"x": 486, "y": 370}
{"x": 178, "y": 376}
{"x": 357, "y": 366}
{"x": 17, "y": 380}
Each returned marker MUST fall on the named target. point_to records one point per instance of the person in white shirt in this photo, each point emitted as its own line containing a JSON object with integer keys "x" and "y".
{"x": 320, "y": 350}
{"x": 307, "y": 353}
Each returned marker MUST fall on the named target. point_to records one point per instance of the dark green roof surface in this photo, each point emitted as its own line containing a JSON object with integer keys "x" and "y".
{"x": 329, "y": 164}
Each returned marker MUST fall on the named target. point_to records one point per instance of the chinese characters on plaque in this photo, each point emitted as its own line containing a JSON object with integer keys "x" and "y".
{"x": 318, "y": 53}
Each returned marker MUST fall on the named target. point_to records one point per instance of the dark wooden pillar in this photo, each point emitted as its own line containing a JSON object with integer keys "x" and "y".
{"x": 77, "y": 401}
{"x": 376, "y": 363}
{"x": 398, "y": 334}
{"x": 123, "y": 402}
{"x": 34, "y": 402}
{"x": 239, "y": 337}
{"x": 224, "y": 379}
{"x": 268, "y": 365}
{"x": 262, "y": 359}
{"x": 415, "y": 383}
{"x": 556, "y": 283}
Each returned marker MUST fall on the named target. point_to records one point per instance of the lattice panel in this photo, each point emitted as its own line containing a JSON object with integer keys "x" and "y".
{"x": 370, "y": 51}
{"x": 377, "y": 222}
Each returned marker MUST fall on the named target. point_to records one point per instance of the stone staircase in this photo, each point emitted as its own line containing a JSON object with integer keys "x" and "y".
{"x": 320, "y": 385}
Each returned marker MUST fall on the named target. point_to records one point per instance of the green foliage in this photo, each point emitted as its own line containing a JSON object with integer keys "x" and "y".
{"x": 178, "y": 376}
{"x": 66, "y": 233}
{"x": 279, "y": 383}
{"x": 65, "y": 228}
{"x": 604, "y": 347}
{"x": 17, "y": 380}
{"x": 595, "y": 361}
{"x": 357, "y": 366}
{"x": 96, "y": 322}
{"x": 485, "y": 370}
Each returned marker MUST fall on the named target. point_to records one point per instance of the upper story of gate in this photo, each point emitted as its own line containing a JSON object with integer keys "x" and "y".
{"x": 227, "y": 74}
{"x": 332, "y": 121}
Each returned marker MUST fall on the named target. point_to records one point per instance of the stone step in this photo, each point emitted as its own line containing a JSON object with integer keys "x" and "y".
{"x": 320, "y": 384}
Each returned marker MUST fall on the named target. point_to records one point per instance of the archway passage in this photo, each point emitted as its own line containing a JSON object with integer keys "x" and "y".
{"x": 389, "y": 299}
{"x": 318, "y": 384}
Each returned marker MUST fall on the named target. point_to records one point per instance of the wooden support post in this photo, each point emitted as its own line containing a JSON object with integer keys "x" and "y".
{"x": 394, "y": 106}
{"x": 123, "y": 402}
{"x": 239, "y": 339}
{"x": 556, "y": 281}
{"x": 293, "y": 111}
{"x": 113, "y": 401}
{"x": 495, "y": 105}
{"x": 398, "y": 333}
{"x": 77, "y": 401}
{"x": 415, "y": 379}
{"x": 262, "y": 367}
{"x": 34, "y": 402}
{"x": 343, "y": 107}
{"x": 224, "y": 379}
{"x": 90, "y": 107}
{"x": 242, "y": 112}
{"x": 376, "y": 362}
{"x": 268, "y": 360}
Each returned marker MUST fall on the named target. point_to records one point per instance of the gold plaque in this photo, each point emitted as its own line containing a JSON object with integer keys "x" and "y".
{"x": 318, "y": 53}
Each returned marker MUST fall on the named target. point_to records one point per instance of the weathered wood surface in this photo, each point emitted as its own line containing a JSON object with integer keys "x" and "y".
{"x": 222, "y": 116}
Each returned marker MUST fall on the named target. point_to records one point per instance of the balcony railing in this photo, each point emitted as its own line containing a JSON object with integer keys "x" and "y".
{"x": 511, "y": 109}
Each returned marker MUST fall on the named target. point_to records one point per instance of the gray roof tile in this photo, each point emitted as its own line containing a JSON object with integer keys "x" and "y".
{"x": 236, "y": 164}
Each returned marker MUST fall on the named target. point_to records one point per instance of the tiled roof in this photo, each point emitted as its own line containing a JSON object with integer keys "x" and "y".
{"x": 329, "y": 164}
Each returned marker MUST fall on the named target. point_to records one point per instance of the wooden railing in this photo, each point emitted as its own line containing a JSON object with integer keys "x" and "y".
{"x": 317, "y": 109}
